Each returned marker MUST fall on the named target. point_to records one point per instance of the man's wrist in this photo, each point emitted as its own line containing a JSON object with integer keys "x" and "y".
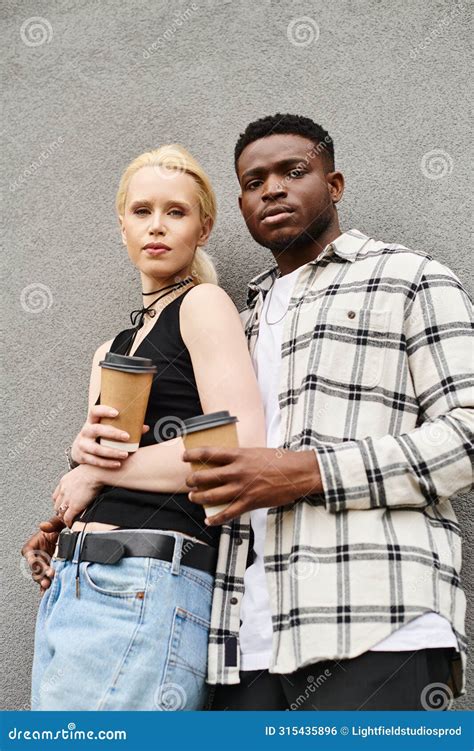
{"x": 315, "y": 480}
{"x": 308, "y": 477}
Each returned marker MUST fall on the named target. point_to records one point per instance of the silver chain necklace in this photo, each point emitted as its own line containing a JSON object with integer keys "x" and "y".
{"x": 270, "y": 294}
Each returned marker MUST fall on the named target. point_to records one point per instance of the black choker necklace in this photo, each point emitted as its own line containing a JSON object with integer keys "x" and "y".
{"x": 137, "y": 317}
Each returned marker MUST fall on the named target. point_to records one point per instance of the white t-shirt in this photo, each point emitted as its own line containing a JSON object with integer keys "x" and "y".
{"x": 429, "y": 630}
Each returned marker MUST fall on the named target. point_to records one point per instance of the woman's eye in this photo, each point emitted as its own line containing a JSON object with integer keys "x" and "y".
{"x": 140, "y": 211}
{"x": 177, "y": 212}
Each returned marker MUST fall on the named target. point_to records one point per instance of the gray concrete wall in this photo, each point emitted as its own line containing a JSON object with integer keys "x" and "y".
{"x": 93, "y": 84}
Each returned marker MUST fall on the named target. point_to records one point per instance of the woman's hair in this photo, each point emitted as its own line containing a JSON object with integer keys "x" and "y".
{"x": 176, "y": 157}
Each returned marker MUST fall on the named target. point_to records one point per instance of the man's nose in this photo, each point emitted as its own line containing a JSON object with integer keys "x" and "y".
{"x": 273, "y": 189}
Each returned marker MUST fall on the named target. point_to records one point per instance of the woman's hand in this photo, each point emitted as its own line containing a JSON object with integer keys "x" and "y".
{"x": 74, "y": 492}
{"x": 85, "y": 450}
{"x": 39, "y": 549}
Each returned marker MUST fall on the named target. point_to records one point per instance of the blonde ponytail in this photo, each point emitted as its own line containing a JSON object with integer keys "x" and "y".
{"x": 203, "y": 270}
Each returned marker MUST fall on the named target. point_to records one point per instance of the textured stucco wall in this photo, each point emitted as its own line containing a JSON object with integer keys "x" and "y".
{"x": 92, "y": 84}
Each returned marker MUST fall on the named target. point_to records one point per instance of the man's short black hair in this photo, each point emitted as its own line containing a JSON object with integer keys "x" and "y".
{"x": 294, "y": 124}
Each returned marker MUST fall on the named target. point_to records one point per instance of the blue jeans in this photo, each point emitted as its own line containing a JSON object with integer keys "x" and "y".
{"x": 135, "y": 639}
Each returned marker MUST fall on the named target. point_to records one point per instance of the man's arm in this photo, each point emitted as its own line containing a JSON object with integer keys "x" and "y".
{"x": 251, "y": 478}
{"x": 434, "y": 461}
{"x": 423, "y": 466}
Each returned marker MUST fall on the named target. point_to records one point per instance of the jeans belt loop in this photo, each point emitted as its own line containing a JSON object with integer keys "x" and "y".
{"x": 176, "y": 562}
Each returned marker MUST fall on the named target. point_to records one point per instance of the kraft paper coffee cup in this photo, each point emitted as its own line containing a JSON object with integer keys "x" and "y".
{"x": 125, "y": 385}
{"x": 217, "y": 429}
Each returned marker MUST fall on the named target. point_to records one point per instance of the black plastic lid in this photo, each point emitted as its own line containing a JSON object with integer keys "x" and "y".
{"x": 212, "y": 420}
{"x": 128, "y": 364}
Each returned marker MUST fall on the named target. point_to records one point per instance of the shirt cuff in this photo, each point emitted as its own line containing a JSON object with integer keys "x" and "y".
{"x": 343, "y": 477}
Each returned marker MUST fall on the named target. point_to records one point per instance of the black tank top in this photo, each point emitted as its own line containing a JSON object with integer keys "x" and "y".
{"x": 174, "y": 397}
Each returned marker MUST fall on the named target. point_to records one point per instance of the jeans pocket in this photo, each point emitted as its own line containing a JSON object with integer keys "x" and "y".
{"x": 126, "y": 578}
{"x": 53, "y": 591}
{"x": 183, "y": 685}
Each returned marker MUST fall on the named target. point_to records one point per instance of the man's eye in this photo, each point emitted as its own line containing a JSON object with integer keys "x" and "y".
{"x": 296, "y": 172}
{"x": 252, "y": 185}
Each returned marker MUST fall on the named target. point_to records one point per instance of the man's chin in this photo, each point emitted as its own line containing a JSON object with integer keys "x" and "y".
{"x": 278, "y": 242}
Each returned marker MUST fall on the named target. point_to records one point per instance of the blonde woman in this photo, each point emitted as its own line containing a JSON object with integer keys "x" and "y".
{"x": 124, "y": 624}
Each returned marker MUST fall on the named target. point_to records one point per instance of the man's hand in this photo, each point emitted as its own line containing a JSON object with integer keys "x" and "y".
{"x": 75, "y": 491}
{"x": 85, "y": 449}
{"x": 39, "y": 549}
{"x": 251, "y": 478}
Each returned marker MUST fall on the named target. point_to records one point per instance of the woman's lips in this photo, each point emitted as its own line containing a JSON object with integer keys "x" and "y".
{"x": 156, "y": 251}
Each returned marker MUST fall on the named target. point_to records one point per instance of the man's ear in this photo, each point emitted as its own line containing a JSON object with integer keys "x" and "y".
{"x": 335, "y": 182}
{"x": 122, "y": 230}
{"x": 205, "y": 231}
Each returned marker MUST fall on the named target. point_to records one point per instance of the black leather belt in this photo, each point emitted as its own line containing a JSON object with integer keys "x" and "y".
{"x": 110, "y": 547}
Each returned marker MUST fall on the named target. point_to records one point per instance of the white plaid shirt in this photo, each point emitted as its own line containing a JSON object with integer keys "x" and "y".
{"x": 376, "y": 377}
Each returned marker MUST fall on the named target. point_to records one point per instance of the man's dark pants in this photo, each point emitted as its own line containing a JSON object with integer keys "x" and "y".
{"x": 372, "y": 681}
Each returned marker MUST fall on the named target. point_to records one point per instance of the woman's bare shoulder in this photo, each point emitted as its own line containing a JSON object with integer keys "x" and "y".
{"x": 209, "y": 307}
{"x": 207, "y": 299}
{"x": 102, "y": 350}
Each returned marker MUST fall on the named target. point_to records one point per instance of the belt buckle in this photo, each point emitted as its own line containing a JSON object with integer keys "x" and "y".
{"x": 66, "y": 537}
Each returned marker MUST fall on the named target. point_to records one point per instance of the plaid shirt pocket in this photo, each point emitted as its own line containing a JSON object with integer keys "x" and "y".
{"x": 351, "y": 346}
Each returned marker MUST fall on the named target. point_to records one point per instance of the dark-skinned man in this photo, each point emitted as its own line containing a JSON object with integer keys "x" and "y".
{"x": 352, "y": 599}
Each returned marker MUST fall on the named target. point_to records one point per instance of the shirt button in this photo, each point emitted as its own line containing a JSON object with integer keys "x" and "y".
{"x": 233, "y": 600}
{"x": 239, "y": 541}
{"x": 351, "y": 314}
